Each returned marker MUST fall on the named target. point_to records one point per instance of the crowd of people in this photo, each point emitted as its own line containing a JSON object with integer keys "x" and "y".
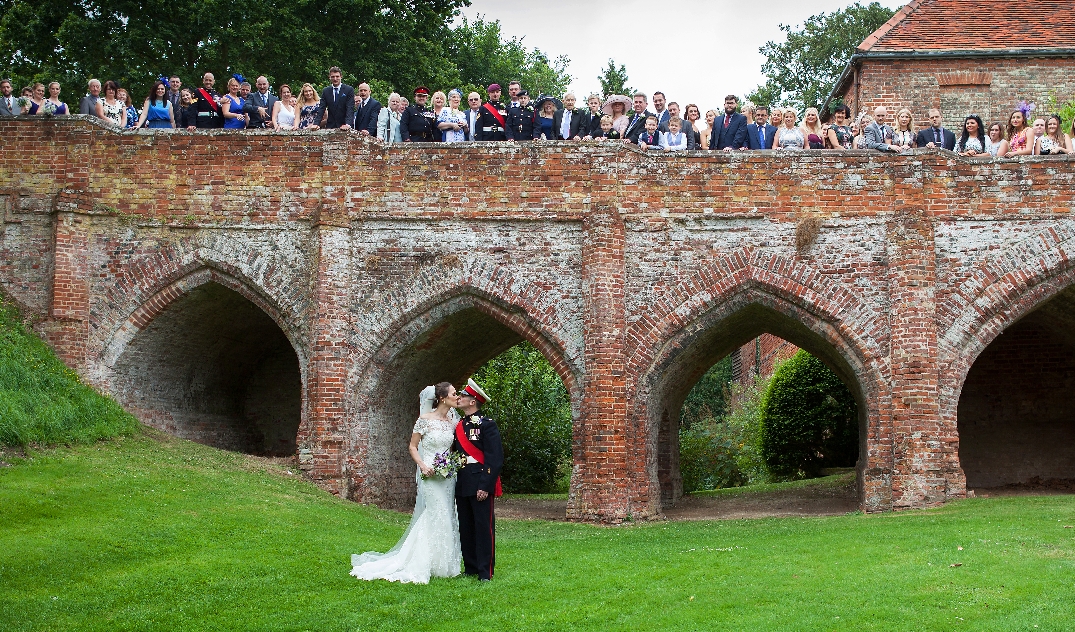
{"x": 440, "y": 117}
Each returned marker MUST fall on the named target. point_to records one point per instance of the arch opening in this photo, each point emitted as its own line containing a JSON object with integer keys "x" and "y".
{"x": 214, "y": 368}
{"x": 453, "y": 341}
{"x": 713, "y": 341}
{"x": 1016, "y": 410}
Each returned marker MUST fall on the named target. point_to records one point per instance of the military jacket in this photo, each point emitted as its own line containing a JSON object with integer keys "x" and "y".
{"x": 521, "y": 121}
{"x": 209, "y": 115}
{"x": 418, "y": 124}
{"x": 483, "y": 433}
{"x": 488, "y": 127}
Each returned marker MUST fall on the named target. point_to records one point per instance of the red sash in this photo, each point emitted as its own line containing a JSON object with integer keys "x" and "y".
{"x": 473, "y": 452}
{"x": 212, "y": 102}
{"x": 499, "y": 119}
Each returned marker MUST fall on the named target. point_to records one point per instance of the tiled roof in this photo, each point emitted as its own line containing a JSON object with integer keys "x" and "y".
{"x": 962, "y": 25}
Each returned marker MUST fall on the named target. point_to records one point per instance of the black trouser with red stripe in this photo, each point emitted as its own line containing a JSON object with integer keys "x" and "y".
{"x": 477, "y": 535}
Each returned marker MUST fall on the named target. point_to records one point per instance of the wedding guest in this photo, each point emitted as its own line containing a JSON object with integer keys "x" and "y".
{"x": 684, "y": 126}
{"x": 705, "y": 129}
{"x": 972, "y": 139}
{"x": 9, "y": 104}
{"x": 440, "y": 101}
{"x": 748, "y": 111}
{"x": 1017, "y": 142}
{"x": 521, "y": 117}
{"x": 878, "y": 134}
{"x": 1038, "y": 130}
{"x": 995, "y": 139}
{"x": 233, "y": 106}
{"x": 404, "y": 102}
{"x": 674, "y": 139}
{"x": 132, "y": 113}
{"x": 88, "y": 104}
{"x": 904, "y": 136}
{"x": 309, "y": 108}
{"x": 812, "y": 131}
{"x": 864, "y": 121}
{"x": 593, "y": 116}
{"x": 607, "y": 130}
{"x": 839, "y": 135}
{"x": 544, "y": 120}
{"x": 659, "y": 108}
{"x": 157, "y": 110}
{"x": 616, "y": 107}
{"x": 284, "y": 113}
{"x": 207, "y": 103}
{"x": 417, "y": 124}
{"x": 337, "y": 102}
{"x": 175, "y": 85}
{"x": 111, "y": 108}
{"x": 649, "y": 138}
{"x": 789, "y": 136}
{"x": 569, "y": 123}
{"x": 760, "y": 133}
{"x": 729, "y": 129}
{"x": 493, "y": 118}
{"x": 637, "y": 123}
{"x": 451, "y": 122}
{"x": 693, "y": 126}
{"x": 367, "y": 111}
{"x": 935, "y": 135}
{"x": 1053, "y": 141}
{"x": 471, "y": 114}
{"x": 259, "y": 105}
{"x": 186, "y": 113}
{"x": 244, "y": 90}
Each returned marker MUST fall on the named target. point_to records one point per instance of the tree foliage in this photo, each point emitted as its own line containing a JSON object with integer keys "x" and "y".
{"x": 802, "y": 71}
{"x": 808, "y": 419}
{"x": 614, "y": 80}
{"x": 532, "y": 408}
{"x": 707, "y": 398}
{"x": 395, "y": 44}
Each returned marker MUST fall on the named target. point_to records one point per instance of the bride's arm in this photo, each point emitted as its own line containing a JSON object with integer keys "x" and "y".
{"x": 415, "y": 438}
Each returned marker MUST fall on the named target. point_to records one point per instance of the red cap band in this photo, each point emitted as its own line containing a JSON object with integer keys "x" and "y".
{"x": 474, "y": 394}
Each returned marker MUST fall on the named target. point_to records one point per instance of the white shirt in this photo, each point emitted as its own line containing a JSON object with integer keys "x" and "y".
{"x": 565, "y": 126}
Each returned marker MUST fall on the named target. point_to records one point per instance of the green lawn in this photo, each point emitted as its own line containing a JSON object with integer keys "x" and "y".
{"x": 150, "y": 533}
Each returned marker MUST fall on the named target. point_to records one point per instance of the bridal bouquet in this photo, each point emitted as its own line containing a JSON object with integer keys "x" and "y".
{"x": 49, "y": 108}
{"x": 447, "y": 463}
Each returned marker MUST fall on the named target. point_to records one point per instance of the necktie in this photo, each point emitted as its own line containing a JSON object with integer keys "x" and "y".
{"x": 727, "y": 119}
{"x": 936, "y": 135}
{"x": 761, "y": 136}
{"x": 335, "y": 94}
{"x": 565, "y": 127}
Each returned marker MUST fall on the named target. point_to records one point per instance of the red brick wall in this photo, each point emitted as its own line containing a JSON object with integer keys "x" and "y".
{"x": 389, "y": 269}
{"x": 770, "y": 349}
{"x": 988, "y": 87}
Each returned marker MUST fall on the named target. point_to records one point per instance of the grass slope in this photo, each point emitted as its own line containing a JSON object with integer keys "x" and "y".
{"x": 41, "y": 400}
{"x": 152, "y": 533}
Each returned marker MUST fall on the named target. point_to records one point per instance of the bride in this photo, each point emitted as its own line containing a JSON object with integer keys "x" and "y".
{"x": 430, "y": 545}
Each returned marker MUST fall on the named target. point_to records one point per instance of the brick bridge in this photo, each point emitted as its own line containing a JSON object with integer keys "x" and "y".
{"x": 293, "y": 293}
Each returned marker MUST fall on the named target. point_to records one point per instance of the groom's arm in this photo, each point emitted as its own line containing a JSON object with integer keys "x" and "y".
{"x": 494, "y": 456}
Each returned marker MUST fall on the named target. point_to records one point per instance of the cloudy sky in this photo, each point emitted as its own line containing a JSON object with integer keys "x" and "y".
{"x": 692, "y": 50}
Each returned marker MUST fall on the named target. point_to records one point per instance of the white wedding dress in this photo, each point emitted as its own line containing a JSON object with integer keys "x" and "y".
{"x": 430, "y": 545}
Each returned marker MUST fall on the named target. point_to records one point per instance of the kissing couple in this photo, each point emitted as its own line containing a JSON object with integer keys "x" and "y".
{"x": 459, "y": 461}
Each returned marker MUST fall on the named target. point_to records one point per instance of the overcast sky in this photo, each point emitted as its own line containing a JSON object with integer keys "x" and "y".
{"x": 692, "y": 50}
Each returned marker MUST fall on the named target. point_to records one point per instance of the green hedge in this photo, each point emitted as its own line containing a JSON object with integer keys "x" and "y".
{"x": 41, "y": 400}
{"x": 809, "y": 420}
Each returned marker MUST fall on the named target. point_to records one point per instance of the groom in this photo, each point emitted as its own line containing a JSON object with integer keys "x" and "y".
{"x": 479, "y": 482}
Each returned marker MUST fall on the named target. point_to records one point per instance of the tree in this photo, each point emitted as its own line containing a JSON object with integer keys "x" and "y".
{"x": 614, "y": 80}
{"x": 802, "y": 71}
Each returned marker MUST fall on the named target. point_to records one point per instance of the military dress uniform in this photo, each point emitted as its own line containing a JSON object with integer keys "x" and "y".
{"x": 477, "y": 524}
{"x": 489, "y": 127}
{"x": 418, "y": 124}
{"x": 209, "y": 114}
{"x": 521, "y": 121}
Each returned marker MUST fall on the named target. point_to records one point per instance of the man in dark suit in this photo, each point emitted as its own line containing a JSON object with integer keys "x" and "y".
{"x": 730, "y": 128}
{"x": 759, "y": 133}
{"x": 935, "y": 135}
{"x": 259, "y": 105}
{"x": 569, "y": 123}
{"x": 88, "y": 104}
{"x": 660, "y": 109}
{"x": 478, "y": 484}
{"x": 473, "y": 114}
{"x": 337, "y": 102}
{"x": 686, "y": 127}
{"x": 637, "y": 123}
{"x": 367, "y": 109}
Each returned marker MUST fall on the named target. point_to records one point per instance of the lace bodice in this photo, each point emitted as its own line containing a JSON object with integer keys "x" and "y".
{"x": 437, "y": 436}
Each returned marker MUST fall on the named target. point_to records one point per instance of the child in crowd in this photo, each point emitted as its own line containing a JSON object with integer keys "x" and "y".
{"x": 606, "y": 129}
{"x": 673, "y": 139}
{"x": 650, "y": 139}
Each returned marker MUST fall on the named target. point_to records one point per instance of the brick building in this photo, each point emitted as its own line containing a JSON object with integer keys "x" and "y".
{"x": 759, "y": 357}
{"x": 964, "y": 57}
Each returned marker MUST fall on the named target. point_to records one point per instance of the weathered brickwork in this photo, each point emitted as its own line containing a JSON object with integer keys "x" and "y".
{"x": 293, "y": 292}
{"x": 759, "y": 357}
{"x": 989, "y": 87}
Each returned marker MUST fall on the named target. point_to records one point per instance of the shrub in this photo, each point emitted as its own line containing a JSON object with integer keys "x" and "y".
{"x": 532, "y": 408}
{"x": 43, "y": 401}
{"x": 808, "y": 420}
{"x": 707, "y": 458}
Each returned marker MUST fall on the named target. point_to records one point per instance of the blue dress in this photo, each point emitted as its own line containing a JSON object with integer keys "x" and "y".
{"x": 132, "y": 116}
{"x": 546, "y": 128}
{"x": 237, "y": 104}
{"x": 158, "y": 114}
